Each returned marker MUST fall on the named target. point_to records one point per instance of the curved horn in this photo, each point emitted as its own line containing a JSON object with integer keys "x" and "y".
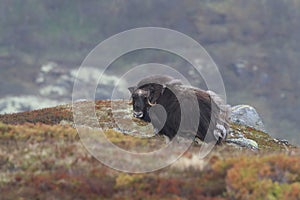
{"x": 130, "y": 102}
{"x": 151, "y": 104}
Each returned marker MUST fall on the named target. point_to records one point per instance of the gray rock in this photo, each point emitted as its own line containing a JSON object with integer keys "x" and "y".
{"x": 243, "y": 142}
{"x": 246, "y": 115}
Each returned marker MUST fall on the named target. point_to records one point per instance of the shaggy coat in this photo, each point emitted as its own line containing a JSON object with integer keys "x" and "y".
{"x": 155, "y": 92}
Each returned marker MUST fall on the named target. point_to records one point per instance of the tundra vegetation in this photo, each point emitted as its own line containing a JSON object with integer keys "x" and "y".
{"x": 254, "y": 43}
{"x": 41, "y": 157}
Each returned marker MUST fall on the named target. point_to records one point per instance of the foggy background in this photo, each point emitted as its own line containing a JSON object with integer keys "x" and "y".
{"x": 254, "y": 43}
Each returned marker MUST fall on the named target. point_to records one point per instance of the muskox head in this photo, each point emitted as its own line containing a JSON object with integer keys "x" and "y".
{"x": 146, "y": 93}
{"x": 141, "y": 103}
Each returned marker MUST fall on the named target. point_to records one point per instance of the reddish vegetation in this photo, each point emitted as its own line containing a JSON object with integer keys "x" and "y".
{"x": 41, "y": 160}
{"x": 46, "y": 116}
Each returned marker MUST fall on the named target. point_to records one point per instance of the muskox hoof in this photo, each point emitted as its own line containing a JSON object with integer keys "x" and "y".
{"x": 167, "y": 139}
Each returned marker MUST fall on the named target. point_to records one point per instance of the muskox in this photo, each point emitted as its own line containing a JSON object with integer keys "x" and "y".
{"x": 155, "y": 92}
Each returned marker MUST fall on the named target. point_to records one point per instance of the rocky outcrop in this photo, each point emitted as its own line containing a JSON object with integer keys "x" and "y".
{"x": 246, "y": 115}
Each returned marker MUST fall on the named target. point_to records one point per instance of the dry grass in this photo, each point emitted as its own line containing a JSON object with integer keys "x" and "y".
{"x": 40, "y": 159}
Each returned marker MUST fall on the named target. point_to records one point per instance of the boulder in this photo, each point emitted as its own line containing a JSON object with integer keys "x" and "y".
{"x": 246, "y": 115}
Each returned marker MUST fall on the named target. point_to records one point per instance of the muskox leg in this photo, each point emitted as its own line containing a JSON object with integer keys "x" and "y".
{"x": 220, "y": 133}
{"x": 167, "y": 139}
{"x": 198, "y": 141}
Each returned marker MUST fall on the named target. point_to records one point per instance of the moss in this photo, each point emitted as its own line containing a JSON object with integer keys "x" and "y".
{"x": 264, "y": 140}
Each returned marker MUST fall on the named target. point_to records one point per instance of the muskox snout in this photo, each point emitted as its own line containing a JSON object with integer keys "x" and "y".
{"x": 138, "y": 114}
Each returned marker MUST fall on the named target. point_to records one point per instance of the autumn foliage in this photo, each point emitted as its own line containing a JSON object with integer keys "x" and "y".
{"x": 43, "y": 160}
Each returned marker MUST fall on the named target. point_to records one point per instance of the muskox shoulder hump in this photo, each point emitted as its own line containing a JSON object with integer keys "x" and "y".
{"x": 159, "y": 79}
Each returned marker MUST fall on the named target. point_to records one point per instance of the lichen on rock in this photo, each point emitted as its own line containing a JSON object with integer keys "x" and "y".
{"x": 246, "y": 115}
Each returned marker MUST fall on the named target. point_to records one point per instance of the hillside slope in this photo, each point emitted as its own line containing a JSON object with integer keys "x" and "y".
{"x": 41, "y": 157}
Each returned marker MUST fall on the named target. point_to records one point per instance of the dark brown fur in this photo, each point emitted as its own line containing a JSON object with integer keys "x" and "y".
{"x": 160, "y": 90}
